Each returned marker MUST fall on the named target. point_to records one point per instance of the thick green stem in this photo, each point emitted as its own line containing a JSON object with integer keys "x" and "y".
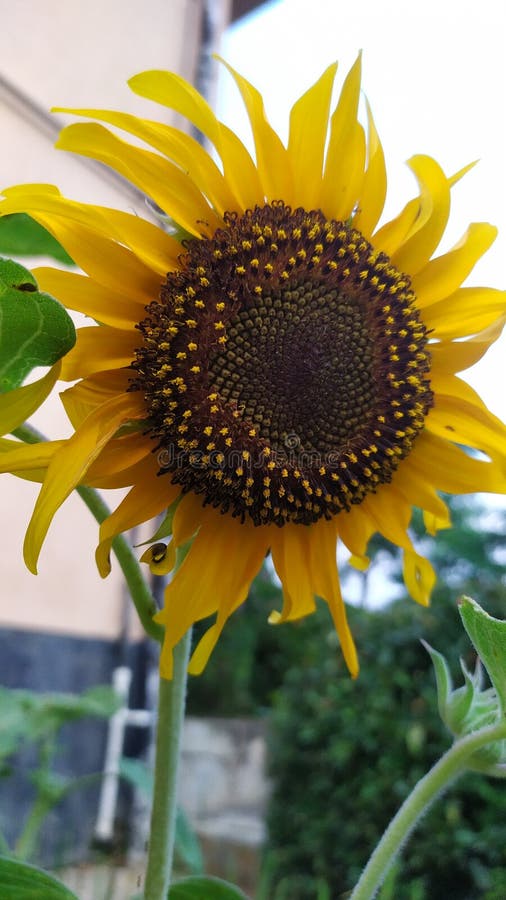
{"x": 139, "y": 590}
{"x": 171, "y": 705}
{"x": 446, "y": 770}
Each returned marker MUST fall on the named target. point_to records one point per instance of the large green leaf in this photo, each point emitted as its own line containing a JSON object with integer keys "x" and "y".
{"x": 489, "y": 637}
{"x": 19, "y": 881}
{"x": 21, "y": 235}
{"x": 204, "y": 887}
{"x": 35, "y": 330}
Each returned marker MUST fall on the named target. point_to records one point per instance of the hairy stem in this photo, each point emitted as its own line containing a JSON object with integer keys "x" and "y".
{"x": 446, "y": 770}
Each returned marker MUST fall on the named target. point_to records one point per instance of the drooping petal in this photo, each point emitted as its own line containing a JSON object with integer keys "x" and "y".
{"x": 144, "y": 501}
{"x": 289, "y": 555}
{"x": 89, "y": 393}
{"x": 214, "y": 576}
{"x": 322, "y": 553}
{"x": 70, "y": 464}
{"x": 22, "y": 459}
{"x": 355, "y": 530}
{"x": 419, "y": 577}
{"x": 419, "y": 492}
{"x": 18, "y": 405}
{"x": 392, "y": 515}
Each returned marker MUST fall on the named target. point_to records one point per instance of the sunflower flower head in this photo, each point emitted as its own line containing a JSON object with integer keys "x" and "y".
{"x": 286, "y": 375}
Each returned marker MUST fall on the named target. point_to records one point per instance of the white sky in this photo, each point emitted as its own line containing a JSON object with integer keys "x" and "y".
{"x": 435, "y": 74}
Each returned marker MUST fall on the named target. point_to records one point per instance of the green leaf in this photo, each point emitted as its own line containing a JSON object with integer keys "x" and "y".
{"x": 489, "y": 638}
{"x": 204, "y": 888}
{"x": 19, "y": 881}
{"x": 35, "y": 330}
{"x": 20, "y": 235}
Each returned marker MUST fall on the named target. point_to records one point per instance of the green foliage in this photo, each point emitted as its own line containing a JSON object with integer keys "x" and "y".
{"x": 20, "y": 881}
{"x": 28, "y": 717}
{"x": 204, "y": 888}
{"x": 345, "y": 754}
{"x": 20, "y": 235}
{"x": 35, "y": 330}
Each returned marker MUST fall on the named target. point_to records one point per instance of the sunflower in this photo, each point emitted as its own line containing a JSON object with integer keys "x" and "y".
{"x": 278, "y": 370}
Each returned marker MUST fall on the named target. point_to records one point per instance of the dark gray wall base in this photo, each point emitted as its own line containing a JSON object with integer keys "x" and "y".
{"x": 49, "y": 662}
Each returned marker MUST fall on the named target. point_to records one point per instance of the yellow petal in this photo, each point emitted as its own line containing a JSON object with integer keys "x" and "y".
{"x": 453, "y": 471}
{"x": 161, "y": 558}
{"x": 188, "y": 518}
{"x": 374, "y": 185}
{"x": 322, "y": 548}
{"x": 428, "y": 228}
{"x": 70, "y": 464}
{"x": 106, "y": 261}
{"x": 17, "y": 406}
{"x": 448, "y": 357}
{"x": 309, "y": 122}
{"x": 142, "y": 503}
{"x": 97, "y": 348}
{"x": 355, "y": 529}
{"x": 79, "y": 401}
{"x": 419, "y": 577}
{"x": 214, "y": 576}
{"x": 273, "y": 161}
{"x": 17, "y": 457}
{"x": 84, "y": 295}
{"x": 345, "y": 160}
{"x": 180, "y": 148}
{"x": 391, "y": 514}
{"x": 152, "y": 246}
{"x": 289, "y": 550}
{"x": 467, "y": 311}
{"x": 176, "y": 93}
{"x": 442, "y": 276}
{"x": 164, "y": 182}
{"x": 418, "y": 491}
{"x": 460, "y": 416}
{"x": 118, "y": 456}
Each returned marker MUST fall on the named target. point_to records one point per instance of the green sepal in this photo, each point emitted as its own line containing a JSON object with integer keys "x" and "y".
{"x": 35, "y": 330}
{"x": 489, "y": 638}
{"x": 204, "y": 887}
{"x": 20, "y": 881}
{"x": 165, "y": 528}
{"x": 468, "y": 709}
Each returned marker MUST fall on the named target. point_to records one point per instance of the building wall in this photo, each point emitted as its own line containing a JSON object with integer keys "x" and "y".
{"x": 75, "y": 54}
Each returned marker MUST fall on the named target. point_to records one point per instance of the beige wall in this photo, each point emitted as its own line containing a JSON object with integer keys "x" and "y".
{"x": 71, "y": 52}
